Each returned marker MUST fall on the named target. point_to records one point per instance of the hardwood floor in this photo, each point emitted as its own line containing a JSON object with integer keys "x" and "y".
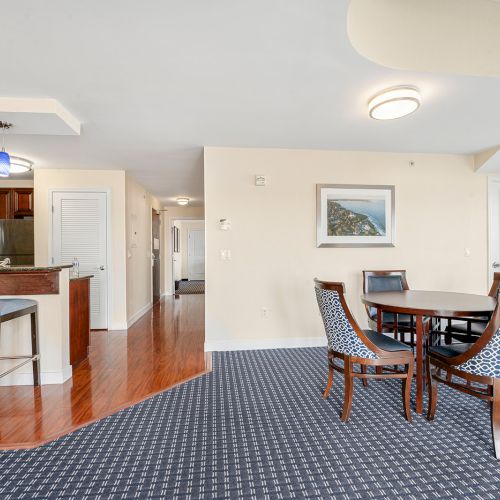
{"x": 161, "y": 350}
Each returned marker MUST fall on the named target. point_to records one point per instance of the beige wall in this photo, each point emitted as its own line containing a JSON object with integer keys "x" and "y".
{"x": 170, "y": 214}
{"x": 19, "y": 183}
{"x": 441, "y": 209}
{"x": 112, "y": 180}
{"x": 139, "y": 205}
{"x": 185, "y": 227}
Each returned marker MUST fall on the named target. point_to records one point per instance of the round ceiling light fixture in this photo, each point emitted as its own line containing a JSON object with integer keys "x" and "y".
{"x": 20, "y": 165}
{"x": 394, "y": 103}
{"x": 182, "y": 201}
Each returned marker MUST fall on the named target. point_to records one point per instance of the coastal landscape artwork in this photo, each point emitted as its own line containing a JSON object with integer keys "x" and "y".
{"x": 351, "y": 215}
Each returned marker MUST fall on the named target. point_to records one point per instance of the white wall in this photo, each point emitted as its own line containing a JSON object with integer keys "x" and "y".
{"x": 170, "y": 214}
{"x": 114, "y": 180}
{"x": 440, "y": 211}
{"x": 139, "y": 205}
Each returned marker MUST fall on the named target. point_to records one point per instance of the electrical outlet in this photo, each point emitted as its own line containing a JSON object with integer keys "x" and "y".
{"x": 264, "y": 311}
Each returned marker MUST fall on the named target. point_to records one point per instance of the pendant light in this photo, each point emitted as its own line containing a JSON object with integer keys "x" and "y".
{"x": 4, "y": 156}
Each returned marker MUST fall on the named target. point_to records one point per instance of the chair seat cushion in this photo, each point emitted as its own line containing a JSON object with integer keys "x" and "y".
{"x": 476, "y": 328}
{"x": 386, "y": 343}
{"x": 9, "y": 306}
{"x": 450, "y": 350}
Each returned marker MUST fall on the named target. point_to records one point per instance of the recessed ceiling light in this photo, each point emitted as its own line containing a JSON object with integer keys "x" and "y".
{"x": 20, "y": 165}
{"x": 394, "y": 103}
{"x": 182, "y": 201}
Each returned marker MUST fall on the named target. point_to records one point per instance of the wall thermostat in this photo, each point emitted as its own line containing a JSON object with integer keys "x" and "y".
{"x": 260, "y": 180}
{"x": 224, "y": 224}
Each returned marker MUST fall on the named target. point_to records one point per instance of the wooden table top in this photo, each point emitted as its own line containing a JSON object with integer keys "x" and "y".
{"x": 421, "y": 302}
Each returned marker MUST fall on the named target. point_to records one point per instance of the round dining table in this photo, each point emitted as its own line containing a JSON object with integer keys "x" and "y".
{"x": 420, "y": 304}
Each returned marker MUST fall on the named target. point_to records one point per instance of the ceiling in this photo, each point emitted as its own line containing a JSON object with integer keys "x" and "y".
{"x": 153, "y": 82}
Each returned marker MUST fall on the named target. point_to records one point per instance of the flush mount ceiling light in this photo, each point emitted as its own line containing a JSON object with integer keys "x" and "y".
{"x": 394, "y": 103}
{"x": 182, "y": 201}
{"x": 4, "y": 156}
{"x": 20, "y": 165}
{"x": 11, "y": 164}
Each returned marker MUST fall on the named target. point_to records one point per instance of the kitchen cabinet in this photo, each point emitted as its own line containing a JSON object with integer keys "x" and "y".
{"x": 22, "y": 202}
{"x": 16, "y": 203}
{"x": 5, "y": 202}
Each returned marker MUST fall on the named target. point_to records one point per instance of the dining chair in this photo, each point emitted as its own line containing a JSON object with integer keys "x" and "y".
{"x": 470, "y": 329}
{"x": 348, "y": 342}
{"x": 389, "y": 281}
{"x": 478, "y": 364}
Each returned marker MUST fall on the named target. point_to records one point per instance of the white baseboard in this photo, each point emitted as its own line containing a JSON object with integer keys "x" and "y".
{"x": 141, "y": 312}
{"x": 46, "y": 377}
{"x": 251, "y": 344}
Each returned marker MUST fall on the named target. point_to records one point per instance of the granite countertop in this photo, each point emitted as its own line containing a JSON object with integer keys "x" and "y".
{"x": 34, "y": 269}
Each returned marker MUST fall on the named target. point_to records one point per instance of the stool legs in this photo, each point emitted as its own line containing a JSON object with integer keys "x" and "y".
{"x": 35, "y": 349}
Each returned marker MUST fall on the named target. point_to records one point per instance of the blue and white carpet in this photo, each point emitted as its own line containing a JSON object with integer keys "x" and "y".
{"x": 257, "y": 427}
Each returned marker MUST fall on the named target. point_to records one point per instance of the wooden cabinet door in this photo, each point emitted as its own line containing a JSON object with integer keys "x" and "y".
{"x": 22, "y": 202}
{"x": 5, "y": 204}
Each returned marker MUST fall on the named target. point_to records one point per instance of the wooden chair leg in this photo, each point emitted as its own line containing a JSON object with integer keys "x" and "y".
{"x": 348, "y": 389}
{"x": 432, "y": 387}
{"x": 363, "y": 370}
{"x": 330, "y": 379}
{"x": 35, "y": 350}
{"x": 407, "y": 389}
{"x": 495, "y": 417}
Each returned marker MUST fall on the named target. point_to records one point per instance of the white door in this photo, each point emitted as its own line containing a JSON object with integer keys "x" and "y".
{"x": 196, "y": 254}
{"x": 79, "y": 230}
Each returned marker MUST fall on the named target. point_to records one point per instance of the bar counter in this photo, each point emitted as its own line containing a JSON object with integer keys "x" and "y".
{"x": 53, "y": 289}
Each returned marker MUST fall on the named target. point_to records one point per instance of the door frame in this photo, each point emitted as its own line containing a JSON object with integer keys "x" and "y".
{"x": 109, "y": 263}
{"x": 170, "y": 247}
{"x": 158, "y": 213}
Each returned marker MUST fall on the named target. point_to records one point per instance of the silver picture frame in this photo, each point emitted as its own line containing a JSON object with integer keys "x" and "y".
{"x": 361, "y": 193}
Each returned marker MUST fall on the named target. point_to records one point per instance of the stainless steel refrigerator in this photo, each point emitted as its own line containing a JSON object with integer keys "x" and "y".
{"x": 17, "y": 241}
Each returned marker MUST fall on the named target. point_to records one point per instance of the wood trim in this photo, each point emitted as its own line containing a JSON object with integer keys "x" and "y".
{"x": 41, "y": 282}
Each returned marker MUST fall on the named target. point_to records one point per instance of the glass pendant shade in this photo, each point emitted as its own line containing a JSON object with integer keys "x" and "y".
{"x": 4, "y": 164}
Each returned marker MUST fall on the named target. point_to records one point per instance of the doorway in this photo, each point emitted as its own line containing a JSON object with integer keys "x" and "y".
{"x": 79, "y": 230}
{"x": 155, "y": 255}
{"x": 188, "y": 256}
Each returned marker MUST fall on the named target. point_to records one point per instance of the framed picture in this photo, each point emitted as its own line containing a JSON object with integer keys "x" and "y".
{"x": 349, "y": 215}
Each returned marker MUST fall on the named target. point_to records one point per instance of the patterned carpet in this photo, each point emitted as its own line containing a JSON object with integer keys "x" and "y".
{"x": 257, "y": 428}
{"x": 187, "y": 287}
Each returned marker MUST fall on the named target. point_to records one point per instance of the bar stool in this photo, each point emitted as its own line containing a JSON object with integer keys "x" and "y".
{"x": 15, "y": 308}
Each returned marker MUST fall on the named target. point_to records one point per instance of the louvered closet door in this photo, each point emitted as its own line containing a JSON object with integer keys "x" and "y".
{"x": 79, "y": 230}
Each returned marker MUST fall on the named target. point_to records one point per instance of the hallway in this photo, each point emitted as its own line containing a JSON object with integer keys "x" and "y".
{"x": 162, "y": 349}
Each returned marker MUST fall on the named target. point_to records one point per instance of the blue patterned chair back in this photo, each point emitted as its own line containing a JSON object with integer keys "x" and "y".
{"x": 483, "y": 358}
{"x": 340, "y": 333}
